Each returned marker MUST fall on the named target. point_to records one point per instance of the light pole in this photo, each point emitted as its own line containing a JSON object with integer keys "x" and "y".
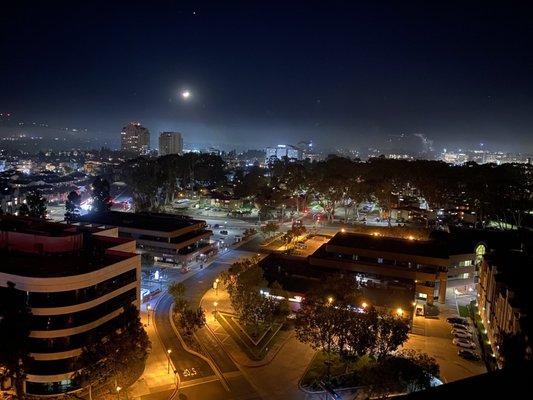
{"x": 168, "y": 360}
{"x": 118, "y": 389}
{"x": 148, "y": 308}
{"x": 215, "y": 286}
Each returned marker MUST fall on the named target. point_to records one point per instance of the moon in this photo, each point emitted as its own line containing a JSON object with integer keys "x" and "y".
{"x": 185, "y": 94}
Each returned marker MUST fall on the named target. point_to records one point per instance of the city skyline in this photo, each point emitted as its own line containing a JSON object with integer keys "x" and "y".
{"x": 279, "y": 74}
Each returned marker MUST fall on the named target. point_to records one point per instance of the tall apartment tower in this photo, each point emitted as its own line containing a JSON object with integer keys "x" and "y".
{"x": 135, "y": 138}
{"x": 170, "y": 143}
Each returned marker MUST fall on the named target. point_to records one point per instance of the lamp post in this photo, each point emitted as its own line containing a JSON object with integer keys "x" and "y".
{"x": 215, "y": 286}
{"x": 148, "y": 308}
{"x": 118, "y": 389}
{"x": 168, "y": 360}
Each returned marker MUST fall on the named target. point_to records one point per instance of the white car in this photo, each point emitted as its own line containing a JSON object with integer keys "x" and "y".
{"x": 462, "y": 334}
{"x": 460, "y": 327}
{"x": 467, "y": 344}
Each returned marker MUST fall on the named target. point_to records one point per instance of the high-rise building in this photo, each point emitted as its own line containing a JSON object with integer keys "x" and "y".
{"x": 76, "y": 280}
{"x": 283, "y": 151}
{"x": 170, "y": 143}
{"x": 135, "y": 138}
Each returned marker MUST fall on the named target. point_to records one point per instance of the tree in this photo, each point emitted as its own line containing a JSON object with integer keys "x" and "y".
{"x": 406, "y": 371}
{"x": 36, "y": 204}
{"x": 119, "y": 357}
{"x": 177, "y": 290}
{"x": 23, "y": 210}
{"x": 253, "y": 307}
{"x": 191, "y": 320}
{"x": 15, "y": 326}
{"x": 317, "y": 324}
{"x": 72, "y": 205}
{"x": 269, "y": 229}
{"x": 101, "y": 196}
{"x": 513, "y": 350}
{"x": 391, "y": 333}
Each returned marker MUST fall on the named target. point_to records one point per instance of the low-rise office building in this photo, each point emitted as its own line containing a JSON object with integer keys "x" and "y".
{"x": 414, "y": 264}
{"x": 404, "y": 268}
{"x": 76, "y": 282}
{"x": 172, "y": 238}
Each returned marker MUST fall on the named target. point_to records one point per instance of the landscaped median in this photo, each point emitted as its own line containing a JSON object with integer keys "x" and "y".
{"x": 254, "y": 342}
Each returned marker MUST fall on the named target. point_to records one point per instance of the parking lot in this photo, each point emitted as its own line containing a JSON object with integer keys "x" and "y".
{"x": 433, "y": 336}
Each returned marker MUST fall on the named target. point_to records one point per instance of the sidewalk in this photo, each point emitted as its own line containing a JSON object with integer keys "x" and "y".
{"x": 155, "y": 378}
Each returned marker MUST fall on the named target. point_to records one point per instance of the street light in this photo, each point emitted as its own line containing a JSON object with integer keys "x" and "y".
{"x": 330, "y": 300}
{"x": 148, "y": 308}
{"x": 399, "y": 311}
{"x": 118, "y": 389}
{"x": 364, "y": 305}
{"x": 215, "y": 286}
{"x": 168, "y": 360}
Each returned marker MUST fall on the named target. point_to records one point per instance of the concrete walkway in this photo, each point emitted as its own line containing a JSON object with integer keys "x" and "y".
{"x": 155, "y": 378}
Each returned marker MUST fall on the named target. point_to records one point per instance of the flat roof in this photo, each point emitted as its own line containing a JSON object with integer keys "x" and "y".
{"x": 464, "y": 240}
{"x": 40, "y": 227}
{"x": 145, "y": 221}
{"x": 425, "y": 248}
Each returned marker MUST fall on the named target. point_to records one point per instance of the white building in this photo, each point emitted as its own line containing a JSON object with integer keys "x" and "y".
{"x": 170, "y": 143}
{"x": 135, "y": 138}
{"x": 281, "y": 151}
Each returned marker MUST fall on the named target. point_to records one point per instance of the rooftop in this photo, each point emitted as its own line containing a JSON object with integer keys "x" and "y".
{"x": 40, "y": 227}
{"x": 146, "y": 221}
{"x": 425, "y": 248}
{"x": 40, "y": 248}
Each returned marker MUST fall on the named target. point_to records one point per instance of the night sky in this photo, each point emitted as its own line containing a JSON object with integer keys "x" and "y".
{"x": 267, "y": 74}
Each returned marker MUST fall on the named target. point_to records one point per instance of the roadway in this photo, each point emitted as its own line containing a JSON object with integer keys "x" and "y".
{"x": 215, "y": 376}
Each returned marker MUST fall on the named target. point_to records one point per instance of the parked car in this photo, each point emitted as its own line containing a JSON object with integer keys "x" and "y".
{"x": 223, "y": 232}
{"x": 460, "y": 327}
{"x": 457, "y": 320}
{"x": 216, "y": 226}
{"x": 462, "y": 334}
{"x": 467, "y": 344}
{"x": 469, "y": 355}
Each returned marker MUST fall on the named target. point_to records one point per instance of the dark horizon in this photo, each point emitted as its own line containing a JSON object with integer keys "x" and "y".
{"x": 262, "y": 75}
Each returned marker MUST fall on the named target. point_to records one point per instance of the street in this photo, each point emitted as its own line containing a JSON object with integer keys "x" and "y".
{"x": 216, "y": 377}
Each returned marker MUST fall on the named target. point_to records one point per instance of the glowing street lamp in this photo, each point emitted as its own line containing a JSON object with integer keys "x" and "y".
{"x": 168, "y": 360}
{"x": 118, "y": 389}
{"x": 330, "y": 300}
{"x": 364, "y": 305}
{"x": 399, "y": 311}
{"x": 148, "y": 308}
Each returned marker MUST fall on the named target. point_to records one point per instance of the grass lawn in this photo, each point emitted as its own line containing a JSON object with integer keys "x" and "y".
{"x": 257, "y": 346}
{"x": 464, "y": 311}
{"x": 486, "y": 350}
{"x": 342, "y": 375}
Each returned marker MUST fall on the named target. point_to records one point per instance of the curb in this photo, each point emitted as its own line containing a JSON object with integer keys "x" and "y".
{"x": 261, "y": 363}
{"x": 206, "y": 359}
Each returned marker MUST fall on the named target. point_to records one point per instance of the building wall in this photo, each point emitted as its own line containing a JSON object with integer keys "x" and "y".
{"x": 70, "y": 311}
{"x": 135, "y": 138}
{"x": 170, "y": 143}
{"x": 495, "y": 305}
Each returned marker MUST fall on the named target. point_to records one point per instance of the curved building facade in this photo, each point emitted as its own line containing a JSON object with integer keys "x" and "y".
{"x": 76, "y": 281}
